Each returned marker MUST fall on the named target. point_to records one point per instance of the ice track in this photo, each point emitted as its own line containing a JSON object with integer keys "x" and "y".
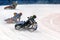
{"x": 48, "y": 19}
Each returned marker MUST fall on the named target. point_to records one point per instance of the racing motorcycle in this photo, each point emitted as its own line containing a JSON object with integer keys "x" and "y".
{"x": 27, "y": 25}
{"x": 12, "y": 6}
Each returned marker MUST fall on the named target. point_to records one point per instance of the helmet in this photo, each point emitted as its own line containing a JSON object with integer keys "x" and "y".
{"x": 15, "y": 13}
{"x": 20, "y": 13}
{"x": 34, "y": 16}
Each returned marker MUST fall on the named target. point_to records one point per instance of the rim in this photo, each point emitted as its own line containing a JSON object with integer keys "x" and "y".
{"x": 17, "y": 27}
{"x": 33, "y": 27}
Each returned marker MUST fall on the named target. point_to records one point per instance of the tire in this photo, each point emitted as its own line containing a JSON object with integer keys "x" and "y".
{"x": 9, "y": 8}
{"x": 33, "y": 27}
{"x": 17, "y": 27}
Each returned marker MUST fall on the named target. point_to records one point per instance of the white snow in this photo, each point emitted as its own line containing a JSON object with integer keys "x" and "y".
{"x": 48, "y": 19}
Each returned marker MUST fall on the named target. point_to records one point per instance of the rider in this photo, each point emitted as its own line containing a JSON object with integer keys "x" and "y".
{"x": 17, "y": 16}
{"x": 30, "y": 20}
{"x": 14, "y": 4}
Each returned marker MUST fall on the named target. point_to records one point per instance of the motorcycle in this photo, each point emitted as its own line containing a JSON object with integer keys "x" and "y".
{"x": 12, "y": 6}
{"x": 27, "y": 25}
{"x": 9, "y": 7}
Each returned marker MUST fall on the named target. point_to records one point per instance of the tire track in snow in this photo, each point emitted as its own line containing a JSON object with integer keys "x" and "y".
{"x": 10, "y": 33}
{"x": 47, "y": 22}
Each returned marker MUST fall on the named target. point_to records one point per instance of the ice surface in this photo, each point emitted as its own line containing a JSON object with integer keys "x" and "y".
{"x": 48, "y": 19}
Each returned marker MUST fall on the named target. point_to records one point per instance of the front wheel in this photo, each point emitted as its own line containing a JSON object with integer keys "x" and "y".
{"x": 33, "y": 27}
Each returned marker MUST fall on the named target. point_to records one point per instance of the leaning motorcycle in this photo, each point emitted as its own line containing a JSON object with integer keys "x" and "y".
{"x": 28, "y": 25}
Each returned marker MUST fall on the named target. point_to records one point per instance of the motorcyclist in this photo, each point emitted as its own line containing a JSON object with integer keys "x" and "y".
{"x": 17, "y": 16}
{"x": 30, "y": 20}
{"x": 14, "y": 4}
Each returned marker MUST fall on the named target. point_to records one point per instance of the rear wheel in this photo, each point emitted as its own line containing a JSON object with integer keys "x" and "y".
{"x": 17, "y": 27}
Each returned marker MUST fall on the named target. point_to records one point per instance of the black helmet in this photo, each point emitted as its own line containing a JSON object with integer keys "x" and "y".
{"x": 34, "y": 16}
{"x": 20, "y": 13}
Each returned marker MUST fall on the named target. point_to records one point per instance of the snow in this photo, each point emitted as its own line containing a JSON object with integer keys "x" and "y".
{"x": 48, "y": 19}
